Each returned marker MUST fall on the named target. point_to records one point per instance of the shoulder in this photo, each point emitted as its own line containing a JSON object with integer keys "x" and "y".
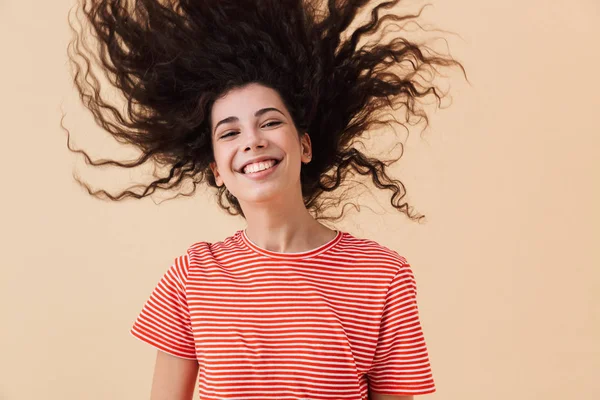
{"x": 386, "y": 266}
{"x": 204, "y": 253}
{"x": 229, "y": 243}
{"x": 193, "y": 262}
{"x": 369, "y": 250}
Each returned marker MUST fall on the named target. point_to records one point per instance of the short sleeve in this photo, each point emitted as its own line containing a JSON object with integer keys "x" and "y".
{"x": 401, "y": 362}
{"x": 164, "y": 321}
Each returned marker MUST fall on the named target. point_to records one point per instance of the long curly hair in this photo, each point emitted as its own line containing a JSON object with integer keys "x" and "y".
{"x": 171, "y": 59}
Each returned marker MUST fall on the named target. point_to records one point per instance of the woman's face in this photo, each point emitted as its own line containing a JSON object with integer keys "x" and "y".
{"x": 249, "y": 123}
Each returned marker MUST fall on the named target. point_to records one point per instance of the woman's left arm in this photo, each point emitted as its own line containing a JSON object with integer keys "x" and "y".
{"x": 377, "y": 396}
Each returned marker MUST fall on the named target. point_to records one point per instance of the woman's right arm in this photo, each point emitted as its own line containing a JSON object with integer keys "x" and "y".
{"x": 174, "y": 377}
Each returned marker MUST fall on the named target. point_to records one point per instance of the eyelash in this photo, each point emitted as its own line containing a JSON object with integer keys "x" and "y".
{"x": 270, "y": 122}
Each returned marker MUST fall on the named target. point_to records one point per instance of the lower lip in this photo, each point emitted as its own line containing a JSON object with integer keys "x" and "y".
{"x": 262, "y": 174}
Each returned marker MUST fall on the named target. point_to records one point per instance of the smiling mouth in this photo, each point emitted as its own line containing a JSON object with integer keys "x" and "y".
{"x": 255, "y": 172}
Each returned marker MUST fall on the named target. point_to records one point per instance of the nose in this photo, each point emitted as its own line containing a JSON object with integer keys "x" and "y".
{"x": 254, "y": 138}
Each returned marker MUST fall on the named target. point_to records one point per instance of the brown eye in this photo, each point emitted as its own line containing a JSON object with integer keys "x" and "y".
{"x": 271, "y": 123}
{"x": 228, "y": 134}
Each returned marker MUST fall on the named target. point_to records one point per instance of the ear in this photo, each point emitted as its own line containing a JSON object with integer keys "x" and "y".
{"x": 215, "y": 171}
{"x": 306, "y": 148}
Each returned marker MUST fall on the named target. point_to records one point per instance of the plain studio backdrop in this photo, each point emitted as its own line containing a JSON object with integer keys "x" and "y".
{"x": 507, "y": 264}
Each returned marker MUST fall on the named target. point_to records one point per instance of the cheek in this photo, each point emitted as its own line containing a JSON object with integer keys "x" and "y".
{"x": 226, "y": 163}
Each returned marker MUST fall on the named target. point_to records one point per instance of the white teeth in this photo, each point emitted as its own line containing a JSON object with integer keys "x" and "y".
{"x": 259, "y": 166}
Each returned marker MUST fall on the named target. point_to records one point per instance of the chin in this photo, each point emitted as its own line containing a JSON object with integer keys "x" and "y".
{"x": 261, "y": 195}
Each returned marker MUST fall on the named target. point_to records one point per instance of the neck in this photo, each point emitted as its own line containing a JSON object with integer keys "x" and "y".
{"x": 286, "y": 227}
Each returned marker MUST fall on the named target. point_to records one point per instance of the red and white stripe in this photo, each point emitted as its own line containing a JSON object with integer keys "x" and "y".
{"x": 322, "y": 324}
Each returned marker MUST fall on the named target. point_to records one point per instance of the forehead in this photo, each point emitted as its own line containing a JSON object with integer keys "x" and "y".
{"x": 243, "y": 102}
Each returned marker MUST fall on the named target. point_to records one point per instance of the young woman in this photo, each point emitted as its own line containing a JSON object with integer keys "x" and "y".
{"x": 265, "y": 101}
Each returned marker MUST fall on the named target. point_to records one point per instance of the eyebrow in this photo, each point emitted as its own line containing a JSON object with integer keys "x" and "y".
{"x": 256, "y": 114}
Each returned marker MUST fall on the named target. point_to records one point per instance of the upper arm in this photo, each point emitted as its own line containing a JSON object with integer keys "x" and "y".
{"x": 378, "y": 396}
{"x": 174, "y": 377}
{"x": 400, "y": 364}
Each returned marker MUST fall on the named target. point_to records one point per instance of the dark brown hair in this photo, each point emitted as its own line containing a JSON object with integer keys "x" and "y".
{"x": 172, "y": 60}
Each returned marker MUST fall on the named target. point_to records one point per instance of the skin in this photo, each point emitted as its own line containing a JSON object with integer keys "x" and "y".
{"x": 377, "y": 396}
{"x": 174, "y": 377}
{"x": 277, "y": 219}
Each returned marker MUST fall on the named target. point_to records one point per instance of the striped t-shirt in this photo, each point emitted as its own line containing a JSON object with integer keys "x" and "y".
{"x": 322, "y": 324}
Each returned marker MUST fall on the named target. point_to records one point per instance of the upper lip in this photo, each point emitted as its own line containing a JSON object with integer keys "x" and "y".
{"x": 257, "y": 159}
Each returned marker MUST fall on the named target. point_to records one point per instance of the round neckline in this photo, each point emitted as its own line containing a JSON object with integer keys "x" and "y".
{"x": 291, "y": 256}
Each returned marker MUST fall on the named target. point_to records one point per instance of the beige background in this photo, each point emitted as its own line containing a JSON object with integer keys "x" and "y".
{"x": 507, "y": 264}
